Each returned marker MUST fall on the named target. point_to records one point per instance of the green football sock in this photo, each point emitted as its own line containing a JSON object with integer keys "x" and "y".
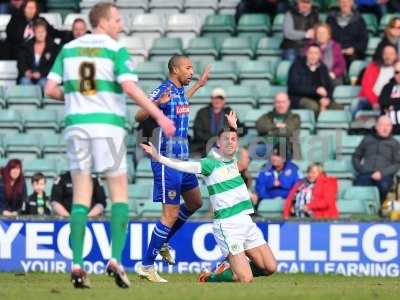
{"x": 257, "y": 272}
{"x": 119, "y": 222}
{"x": 225, "y": 276}
{"x": 78, "y": 220}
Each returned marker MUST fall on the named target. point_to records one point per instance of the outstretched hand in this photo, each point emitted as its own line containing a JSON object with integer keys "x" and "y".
{"x": 204, "y": 77}
{"x": 150, "y": 150}
{"x": 232, "y": 119}
{"x": 166, "y": 96}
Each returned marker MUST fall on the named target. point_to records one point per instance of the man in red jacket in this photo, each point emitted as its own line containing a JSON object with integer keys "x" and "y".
{"x": 376, "y": 75}
{"x": 314, "y": 197}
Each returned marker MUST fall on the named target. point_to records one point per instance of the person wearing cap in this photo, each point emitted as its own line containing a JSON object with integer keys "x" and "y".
{"x": 210, "y": 120}
{"x": 298, "y": 28}
{"x": 278, "y": 175}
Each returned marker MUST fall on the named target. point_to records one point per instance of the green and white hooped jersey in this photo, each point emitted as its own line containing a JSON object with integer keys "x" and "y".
{"x": 228, "y": 192}
{"x": 92, "y": 69}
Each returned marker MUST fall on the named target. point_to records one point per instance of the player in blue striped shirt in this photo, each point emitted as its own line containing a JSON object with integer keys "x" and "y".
{"x": 170, "y": 184}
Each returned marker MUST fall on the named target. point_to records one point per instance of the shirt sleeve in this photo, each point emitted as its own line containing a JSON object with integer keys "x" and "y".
{"x": 192, "y": 167}
{"x": 124, "y": 69}
{"x": 207, "y": 166}
{"x": 57, "y": 71}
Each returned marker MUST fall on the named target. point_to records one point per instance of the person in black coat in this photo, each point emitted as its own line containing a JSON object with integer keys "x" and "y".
{"x": 391, "y": 37}
{"x": 389, "y": 99}
{"x": 20, "y": 27}
{"x": 38, "y": 202}
{"x": 36, "y": 56}
{"x": 309, "y": 83}
{"x": 349, "y": 30}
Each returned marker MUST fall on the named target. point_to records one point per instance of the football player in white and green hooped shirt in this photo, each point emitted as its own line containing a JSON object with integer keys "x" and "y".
{"x": 235, "y": 232}
{"x": 95, "y": 72}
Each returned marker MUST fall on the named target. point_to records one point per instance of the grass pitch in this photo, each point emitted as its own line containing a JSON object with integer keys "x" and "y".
{"x": 41, "y": 286}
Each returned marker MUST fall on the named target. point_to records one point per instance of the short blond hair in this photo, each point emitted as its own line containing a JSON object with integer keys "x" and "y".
{"x": 99, "y": 11}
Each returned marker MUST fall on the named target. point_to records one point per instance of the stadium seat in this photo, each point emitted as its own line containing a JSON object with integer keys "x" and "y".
{"x": 26, "y": 146}
{"x": 241, "y": 94}
{"x": 46, "y": 166}
{"x": 4, "y": 20}
{"x": 255, "y": 166}
{"x": 166, "y": 8}
{"x": 202, "y": 97}
{"x": 307, "y": 118}
{"x": 202, "y": 48}
{"x": 269, "y": 46}
{"x": 183, "y": 26}
{"x": 63, "y": 7}
{"x": 345, "y": 94}
{"x": 333, "y": 119}
{"x": 348, "y": 144}
{"x": 53, "y": 18}
{"x": 254, "y": 23}
{"x": 153, "y": 70}
{"x": 149, "y": 27}
{"x": 53, "y": 146}
{"x": 218, "y": 25}
{"x": 252, "y": 116}
{"x": 149, "y": 209}
{"x": 371, "y": 22}
{"x": 354, "y": 207}
{"x": 8, "y": 72}
{"x": 37, "y": 121}
{"x": 302, "y": 165}
{"x": 385, "y": 20}
{"x": 372, "y": 44}
{"x": 267, "y": 96}
{"x": 271, "y": 207}
{"x": 143, "y": 169}
{"x": 342, "y": 169}
{"x": 282, "y": 72}
{"x": 10, "y": 122}
{"x": 277, "y": 24}
{"x": 70, "y": 18}
{"x": 236, "y": 48}
{"x": 201, "y": 8}
{"x": 136, "y": 48}
{"x": 135, "y": 7}
{"x": 164, "y": 48}
{"x": 366, "y": 196}
{"x": 355, "y": 69}
{"x": 2, "y": 99}
{"x": 317, "y": 148}
{"x": 86, "y": 5}
{"x": 254, "y": 71}
{"x": 139, "y": 191}
{"x": 23, "y": 96}
{"x": 228, "y": 6}
{"x": 222, "y": 71}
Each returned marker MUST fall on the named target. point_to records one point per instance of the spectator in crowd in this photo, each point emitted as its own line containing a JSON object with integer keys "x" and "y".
{"x": 79, "y": 28}
{"x": 389, "y": 99}
{"x": 4, "y": 6}
{"x": 38, "y": 202}
{"x": 278, "y": 176}
{"x": 13, "y": 182}
{"x": 281, "y": 122}
{"x": 20, "y": 27}
{"x": 377, "y": 159}
{"x": 376, "y": 75}
{"x": 260, "y": 6}
{"x": 377, "y": 7}
{"x": 331, "y": 53}
{"x": 210, "y": 120}
{"x": 243, "y": 165}
{"x": 37, "y": 56}
{"x": 309, "y": 83}
{"x": 314, "y": 196}
{"x": 391, "y": 36}
{"x": 298, "y": 27}
{"x": 61, "y": 197}
{"x": 15, "y": 6}
{"x": 349, "y": 30}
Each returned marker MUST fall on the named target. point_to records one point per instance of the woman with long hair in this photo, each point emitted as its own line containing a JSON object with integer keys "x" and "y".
{"x": 14, "y": 187}
{"x": 391, "y": 37}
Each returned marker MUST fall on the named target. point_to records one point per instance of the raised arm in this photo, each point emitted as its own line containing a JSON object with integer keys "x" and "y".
{"x": 200, "y": 83}
{"x": 183, "y": 166}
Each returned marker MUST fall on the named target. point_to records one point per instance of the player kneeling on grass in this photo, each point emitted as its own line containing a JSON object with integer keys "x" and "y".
{"x": 235, "y": 232}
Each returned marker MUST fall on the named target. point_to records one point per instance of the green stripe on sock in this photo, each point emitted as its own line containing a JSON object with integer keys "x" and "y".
{"x": 119, "y": 223}
{"x": 226, "y": 276}
{"x": 78, "y": 221}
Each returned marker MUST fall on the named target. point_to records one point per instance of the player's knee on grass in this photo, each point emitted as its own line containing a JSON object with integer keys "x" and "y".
{"x": 244, "y": 278}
